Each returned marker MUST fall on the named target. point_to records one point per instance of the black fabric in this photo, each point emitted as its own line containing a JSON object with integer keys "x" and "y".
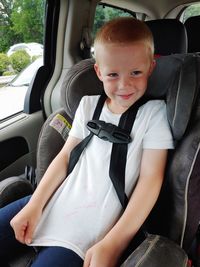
{"x": 119, "y": 153}
{"x": 169, "y": 36}
{"x": 76, "y": 153}
{"x": 192, "y": 25}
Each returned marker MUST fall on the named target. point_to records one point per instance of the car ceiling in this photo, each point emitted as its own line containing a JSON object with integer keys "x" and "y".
{"x": 153, "y": 9}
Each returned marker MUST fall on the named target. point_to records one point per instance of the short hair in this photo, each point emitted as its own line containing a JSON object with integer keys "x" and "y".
{"x": 124, "y": 30}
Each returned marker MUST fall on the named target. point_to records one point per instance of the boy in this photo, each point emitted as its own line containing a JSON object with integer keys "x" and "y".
{"x": 80, "y": 218}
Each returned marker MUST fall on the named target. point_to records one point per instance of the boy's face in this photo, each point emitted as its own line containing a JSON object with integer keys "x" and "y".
{"x": 124, "y": 71}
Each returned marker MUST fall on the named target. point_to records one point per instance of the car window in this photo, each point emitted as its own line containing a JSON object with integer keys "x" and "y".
{"x": 25, "y": 76}
{"x": 21, "y": 51}
{"x": 190, "y": 11}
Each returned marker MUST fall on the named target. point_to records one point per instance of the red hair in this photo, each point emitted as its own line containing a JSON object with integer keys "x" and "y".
{"x": 124, "y": 30}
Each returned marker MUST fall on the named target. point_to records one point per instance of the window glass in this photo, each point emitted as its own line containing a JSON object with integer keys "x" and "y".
{"x": 21, "y": 51}
{"x": 191, "y": 11}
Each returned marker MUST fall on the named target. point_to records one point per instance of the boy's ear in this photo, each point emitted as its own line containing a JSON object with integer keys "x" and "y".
{"x": 153, "y": 64}
{"x": 98, "y": 72}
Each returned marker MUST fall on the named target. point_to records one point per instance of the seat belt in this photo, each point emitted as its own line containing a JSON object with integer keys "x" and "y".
{"x": 119, "y": 136}
{"x": 77, "y": 151}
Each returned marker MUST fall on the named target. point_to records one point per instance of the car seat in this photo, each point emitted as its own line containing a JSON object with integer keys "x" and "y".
{"x": 173, "y": 223}
{"x": 192, "y": 25}
{"x": 166, "y": 32}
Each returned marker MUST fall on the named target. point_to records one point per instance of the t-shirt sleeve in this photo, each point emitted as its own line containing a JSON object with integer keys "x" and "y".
{"x": 78, "y": 126}
{"x": 158, "y": 134}
{"x": 83, "y": 114}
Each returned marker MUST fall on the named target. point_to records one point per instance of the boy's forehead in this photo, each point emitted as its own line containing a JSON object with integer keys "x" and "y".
{"x": 121, "y": 57}
{"x": 122, "y": 48}
{"x": 121, "y": 45}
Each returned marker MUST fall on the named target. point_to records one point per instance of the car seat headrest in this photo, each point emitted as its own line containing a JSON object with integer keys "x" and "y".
{"x": 169, "y": 35}
{"x": 192, "y": 26}
{"x": 174, "y": 79}
{"x": 80, "y": 80}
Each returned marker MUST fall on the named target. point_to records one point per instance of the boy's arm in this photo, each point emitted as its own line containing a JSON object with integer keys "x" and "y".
{"x": 107, "y": 252}
{"x": 26, "y": 220}
{"x": 55, "y": 174}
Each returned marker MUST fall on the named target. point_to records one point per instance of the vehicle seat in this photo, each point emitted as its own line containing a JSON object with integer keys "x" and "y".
{"x": 175, "y": 79}
{"x": 192, "y": 26}
{"x": 169, "y": 35}
{"x": 169, "y": 38}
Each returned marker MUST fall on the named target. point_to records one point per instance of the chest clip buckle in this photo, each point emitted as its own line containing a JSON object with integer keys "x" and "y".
{"x": 108, "y": 132}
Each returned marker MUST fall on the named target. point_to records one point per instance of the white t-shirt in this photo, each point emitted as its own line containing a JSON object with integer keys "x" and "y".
{"x": 86, "y": 206}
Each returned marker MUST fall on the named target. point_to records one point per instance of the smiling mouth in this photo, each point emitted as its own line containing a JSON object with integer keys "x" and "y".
{"x": 125, "y": 96}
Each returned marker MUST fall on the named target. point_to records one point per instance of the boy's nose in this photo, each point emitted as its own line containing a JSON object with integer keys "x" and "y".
{"x": 125, "y": 83}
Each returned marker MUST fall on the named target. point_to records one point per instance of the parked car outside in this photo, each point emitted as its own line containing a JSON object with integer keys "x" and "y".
{"x": 33, "y": 49}
{"x": 12, "y": 95}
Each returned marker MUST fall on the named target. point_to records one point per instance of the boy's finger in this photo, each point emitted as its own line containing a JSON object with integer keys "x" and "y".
{"x": 87, "y": 261}
{"x": 19, "y": 235}
{"x": 29, "y": 234}
{"x": 19, "y": 231}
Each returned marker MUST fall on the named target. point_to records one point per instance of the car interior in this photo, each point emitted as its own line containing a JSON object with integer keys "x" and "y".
{"x": 67, "y": 74}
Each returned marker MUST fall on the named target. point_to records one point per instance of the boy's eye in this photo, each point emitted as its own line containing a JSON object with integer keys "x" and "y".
{"x": 112, "y": 75}
{"x": 136, "y": 72}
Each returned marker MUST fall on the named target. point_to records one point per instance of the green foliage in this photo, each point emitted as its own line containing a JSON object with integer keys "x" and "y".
{"x": 27, "y": 19}
{"x": 191, "y": 11}
{"x": 8, "y": 38}
{"x": 34, "y": 58}
{"x": 4, "y": 62}
{"x": 19, "y": 60}
{"x": 21, "y": 21}
{"x": 8, "y": 73}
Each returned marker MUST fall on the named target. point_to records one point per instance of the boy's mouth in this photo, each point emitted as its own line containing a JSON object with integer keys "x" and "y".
{"x": 125, "y": 97}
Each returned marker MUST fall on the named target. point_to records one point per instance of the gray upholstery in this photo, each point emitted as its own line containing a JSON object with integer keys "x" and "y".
{"x": 80, "y": 80}
{"x": 50, "y": 143}
{"x": 170, "y": 80}
{"x": 157, "y": 251}
{"x": 14, "y": 188}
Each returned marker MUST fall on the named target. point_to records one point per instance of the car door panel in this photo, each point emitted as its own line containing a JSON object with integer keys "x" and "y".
{"x": 18, "y": 144}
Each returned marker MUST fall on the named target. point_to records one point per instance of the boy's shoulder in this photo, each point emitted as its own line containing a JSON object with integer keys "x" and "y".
{"x": 153, "y": 106}
{"x": 88, "y": 103}
{"x": 90, "y": 97}
{"x": 155, "y": 103}
{"x": 89, "y": 100}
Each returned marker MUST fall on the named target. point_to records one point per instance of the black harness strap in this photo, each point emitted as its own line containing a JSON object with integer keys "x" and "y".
{"x": 77, "y": 151}
{"x": 119, "y": 150}
{"x": 119, "y": 153}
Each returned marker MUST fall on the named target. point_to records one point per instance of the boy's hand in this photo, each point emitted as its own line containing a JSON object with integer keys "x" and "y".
{"x": 101, "y": 254}
{"x": 25, "y": 222}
